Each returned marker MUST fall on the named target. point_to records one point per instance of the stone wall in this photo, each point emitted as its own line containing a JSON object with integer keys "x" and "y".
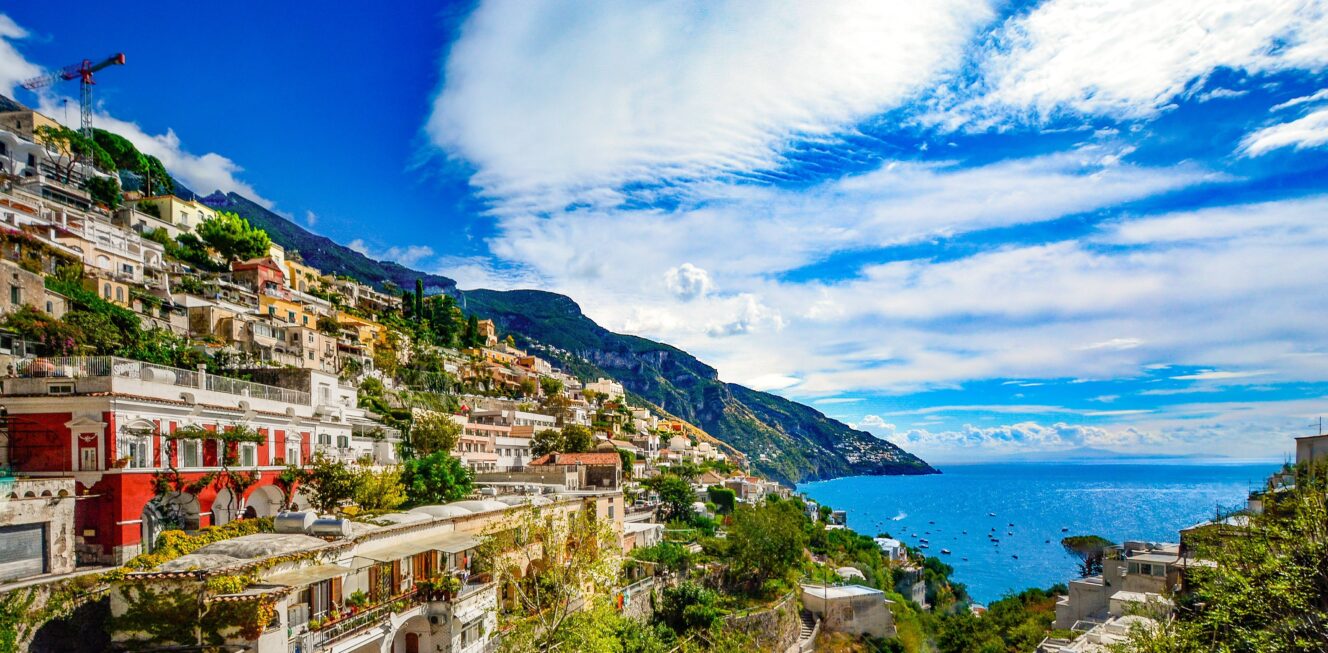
{"x": 775, "y": 628}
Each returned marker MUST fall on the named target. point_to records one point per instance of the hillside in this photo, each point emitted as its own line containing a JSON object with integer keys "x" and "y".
{"x": 324, "y": 253}
{"x": 784, "y": 439}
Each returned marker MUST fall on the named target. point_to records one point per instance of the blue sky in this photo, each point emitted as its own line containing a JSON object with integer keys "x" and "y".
{"x": 973, "y": 228}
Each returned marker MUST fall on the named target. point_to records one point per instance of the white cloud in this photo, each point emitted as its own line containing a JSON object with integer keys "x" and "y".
{"x": 1318, "y": 96}
{"x": 768, "y": 382}
{"x": 13, "y": 67}
{"x": 1133, "y": 58}
{"x": 687, "y": 282}
{"x": 1308, "y": 131}
{"x": 409, "y": 256}
{"x": 548, "y": 100}
{"x": 1220, "y": 375}
{"x": 875, "y": 422}
{"x": 310, "y": 218}
{"x": 1115, "y": 343}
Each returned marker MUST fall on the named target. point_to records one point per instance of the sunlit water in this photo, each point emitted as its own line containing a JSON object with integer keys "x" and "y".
{"x": 1147, "y": 501}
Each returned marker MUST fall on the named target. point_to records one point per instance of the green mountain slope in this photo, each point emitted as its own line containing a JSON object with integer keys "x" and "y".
{"x": 324, "y": 253}
{"x": 784, "y": 439}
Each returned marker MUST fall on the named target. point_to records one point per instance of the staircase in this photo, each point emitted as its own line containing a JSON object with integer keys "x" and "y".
{"x": 808, "y": 627}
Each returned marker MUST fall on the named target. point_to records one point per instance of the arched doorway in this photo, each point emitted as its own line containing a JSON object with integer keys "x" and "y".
{"x": 226, "y": 507}
{"x": 173, "y": 511}
{"x": 151, "y": 526}
{"x": 412, "y": 637}
{"x": 265, "y": 501}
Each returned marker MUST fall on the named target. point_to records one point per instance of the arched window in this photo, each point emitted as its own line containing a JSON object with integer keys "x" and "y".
{"x": 119, "y": 294}
{"x": 106, "y": 291}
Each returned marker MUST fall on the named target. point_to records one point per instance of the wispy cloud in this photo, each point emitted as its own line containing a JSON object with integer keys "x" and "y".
{"x": 409, "y": 256}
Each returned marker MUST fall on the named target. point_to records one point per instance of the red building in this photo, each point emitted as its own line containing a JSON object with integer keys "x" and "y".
{"x": 105, "y": 421}
{"x": 263, "y": 275}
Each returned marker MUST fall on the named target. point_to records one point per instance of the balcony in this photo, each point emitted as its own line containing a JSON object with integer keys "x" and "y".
{"x": 114, "y": 367}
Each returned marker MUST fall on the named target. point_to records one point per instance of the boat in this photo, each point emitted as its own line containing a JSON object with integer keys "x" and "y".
{"x": 1065, "y": 530}
{"x": 964, "y": 559}
{"x": 945, "y": 551}
{"x": 923, "y": 546}
{"x": 1015, "y": 557}
{"x": 991, "y": 514}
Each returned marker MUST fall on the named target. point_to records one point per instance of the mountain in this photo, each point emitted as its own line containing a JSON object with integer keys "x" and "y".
{"x": 324, "y": 253}
{"x": 783, "y": 439}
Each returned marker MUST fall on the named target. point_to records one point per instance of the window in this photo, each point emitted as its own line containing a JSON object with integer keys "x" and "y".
{"x": 106, "y": 291}
{"x": 343, "y": 441}
{"x": 137, "y": 448}
{"x": 272, "y": 310}
{"x": 248, "y": 454}
{"x": 290, "y": 316}
{"x": 15, "y": 295}
{"x": 324, "y": 438}
{"x": 119, "y": 294}
{"x": 293, "y": 453}
{"x": 127, "y": 269}
{"x": 50, "y": 307}
{"x": 191, "y": 453}
{"x": 60, "y": 389}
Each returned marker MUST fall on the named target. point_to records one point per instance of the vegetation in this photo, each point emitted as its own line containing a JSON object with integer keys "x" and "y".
{"x": 1088, "y": 549}
{"x": 1014, "y": 624}
{"x": 433, "y": 432}
{"x": 233, "y": 237}
{"x": 675, "y": 496}
{"x": 328, "y": 483}
{"x": 1268, "y": 588}
{"x": 436, "y": 478}
{"x": 572, "y": 438}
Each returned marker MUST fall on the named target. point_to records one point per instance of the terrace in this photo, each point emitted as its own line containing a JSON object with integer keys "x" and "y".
{"x": 49, "y": 375}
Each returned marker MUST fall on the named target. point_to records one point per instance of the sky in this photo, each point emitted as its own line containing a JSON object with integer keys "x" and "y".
{"x": 975, "y": 229}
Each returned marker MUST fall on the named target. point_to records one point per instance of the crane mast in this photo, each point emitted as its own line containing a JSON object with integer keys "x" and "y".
{"x": 83, "y": 72}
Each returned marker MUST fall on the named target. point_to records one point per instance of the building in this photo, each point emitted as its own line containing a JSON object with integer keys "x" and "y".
{"x": 184, "y": 215}
{"x": 108, "y": 423}
{"x": 1311, "y": 448}
{"x": 852, "y": 609}
{"x": 410, "y": 582}
{"x": 598, "y": 470}
{"x": 607, "y": 388}
{"x": 1138, "y": 574}
{"x": 891, "y": 548}
{"x": 477, "y": 444}
{"x": 36, "y": 527}
{"x": 488, "y": 333}
{"x": 263, "y": 276}
{"x": 24, "y": 287}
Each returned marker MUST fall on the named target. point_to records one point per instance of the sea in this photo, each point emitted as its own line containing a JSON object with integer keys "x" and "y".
{"x": 1029, "y": 507}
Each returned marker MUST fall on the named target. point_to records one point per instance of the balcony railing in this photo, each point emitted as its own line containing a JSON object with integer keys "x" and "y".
{"x": 363, "y": 620}
{"x": 83, "y": 367}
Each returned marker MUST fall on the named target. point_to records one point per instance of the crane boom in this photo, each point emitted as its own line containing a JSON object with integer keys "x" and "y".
{"x": 82, "y": 72}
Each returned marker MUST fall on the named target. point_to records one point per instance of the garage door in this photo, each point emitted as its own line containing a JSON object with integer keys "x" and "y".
{"x": 22, "y": 551}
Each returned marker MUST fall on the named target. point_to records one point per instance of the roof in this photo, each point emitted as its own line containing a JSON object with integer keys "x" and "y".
{"x": 306, "y": 575}
{"x": 598, "y": 458}
{"x": 841, "y": 591}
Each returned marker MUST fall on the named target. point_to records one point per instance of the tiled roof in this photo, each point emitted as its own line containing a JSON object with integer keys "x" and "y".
{"x": 578, "y": 459}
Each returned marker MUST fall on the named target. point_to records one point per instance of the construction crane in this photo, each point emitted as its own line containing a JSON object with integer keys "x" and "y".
{"x": 82, "y": 72}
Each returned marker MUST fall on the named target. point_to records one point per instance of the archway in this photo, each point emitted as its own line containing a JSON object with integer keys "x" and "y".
{"x": 414, "y": 635}
{"x": 226, "y": 507}
{"x": 150, "y": 527}
{"x": 265, "y": 501}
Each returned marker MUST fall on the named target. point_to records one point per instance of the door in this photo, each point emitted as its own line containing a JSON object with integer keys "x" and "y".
{"x": 22, "y": 551}
{"x": 87, "y": 459}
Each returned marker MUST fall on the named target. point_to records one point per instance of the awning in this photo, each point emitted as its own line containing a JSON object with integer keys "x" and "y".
{"x": 306, "y": 575}
{"x": 447, "y": 543}
{"x": 457, "y": 542}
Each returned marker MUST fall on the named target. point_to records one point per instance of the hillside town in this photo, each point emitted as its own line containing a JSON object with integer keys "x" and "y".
{"x": 209, "y": 444}
{"x": 225, "y": 448}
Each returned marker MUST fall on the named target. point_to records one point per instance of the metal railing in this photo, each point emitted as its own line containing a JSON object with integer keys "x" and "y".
{"x": 82, "y": 367}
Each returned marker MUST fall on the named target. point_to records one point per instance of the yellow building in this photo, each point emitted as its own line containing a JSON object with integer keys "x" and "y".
{"x": 368, "y": 332}
{"x": 286, "y": 310}
{"x": 184, "y": 214}
{"x": 301, "y": 277}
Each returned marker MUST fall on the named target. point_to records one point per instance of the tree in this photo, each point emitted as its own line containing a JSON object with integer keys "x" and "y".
{"x": 470, "y": 336}
{"x": 577, "y": 439}
{"x": 104, "y": 190}
{"x": 233, "y": 237}
{"x": 550, "y": 386}
{"x": 65, "y": 148}
{"x": 628, "y": 461}
{"x": 379, "y": 489}
{"x": 689, "y": 606}
{"x": 675, "y": 496}
{"x": 328, "y": 483}
{"x": 567, "y": 554}
{"x": 725, "y": 499}
{"x": 31, "y": 324}
{"x": 765, "y": 541}
{"x": 419, "y": 299}
{"x": 433, "y": 432}
{"x": 545, "y": 442}
{"x": 1088, "y": 549}
{"x": 436, "y": 478}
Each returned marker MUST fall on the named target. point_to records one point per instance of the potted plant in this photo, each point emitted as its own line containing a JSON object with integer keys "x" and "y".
{"x": 451, "y": 587}
{"x": 357, "y": 601}
{"x": 121, "y": 462}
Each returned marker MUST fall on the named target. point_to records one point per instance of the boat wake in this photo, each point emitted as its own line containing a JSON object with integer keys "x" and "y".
{"x": 899, "y": 517}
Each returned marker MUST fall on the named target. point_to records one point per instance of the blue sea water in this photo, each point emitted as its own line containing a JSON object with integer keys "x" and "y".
{"x": 1136, "y": 500}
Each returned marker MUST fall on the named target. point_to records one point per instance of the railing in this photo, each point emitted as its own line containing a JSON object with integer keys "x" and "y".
{"x": 361, "y": 620}
{"x": 82, "y": 367}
